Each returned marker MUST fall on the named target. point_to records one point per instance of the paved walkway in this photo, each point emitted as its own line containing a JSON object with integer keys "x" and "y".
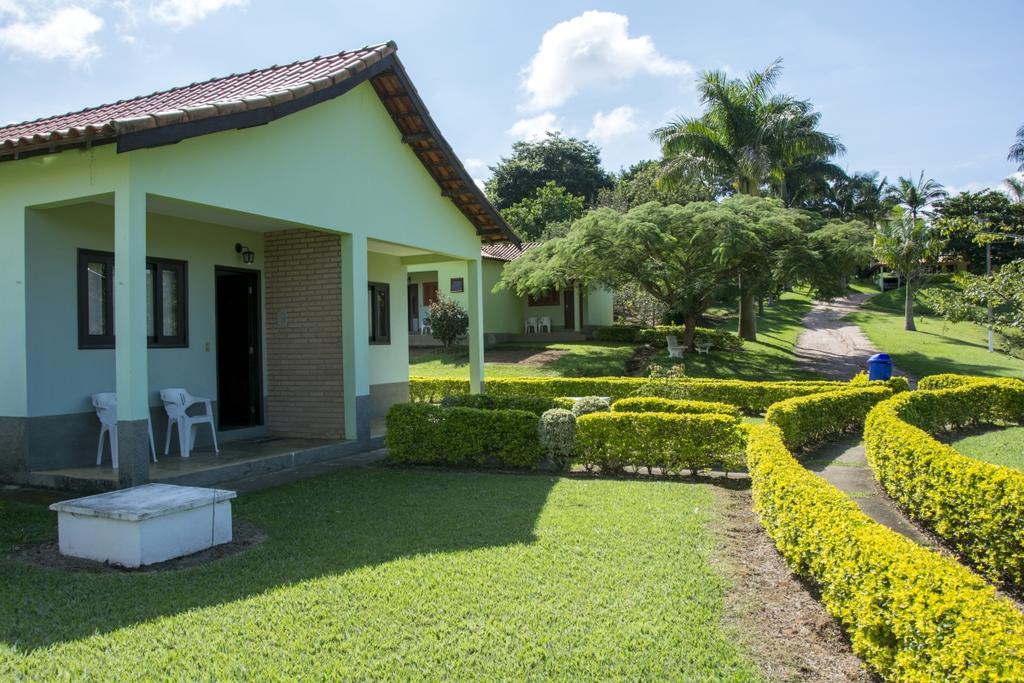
{"x": 832, "y": 347}
{"x": 844, "y": 465}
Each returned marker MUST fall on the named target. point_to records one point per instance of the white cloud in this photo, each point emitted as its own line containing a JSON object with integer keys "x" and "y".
{"x": 617, "y": 122}
{"x": 474, "y": 164}
{"x": 591, "y": 49}
{"x": 479, "y": 183}
{"x": 62, "y": 33}
{"x": 182, "y": 13}
{"x": 535, "y": 128}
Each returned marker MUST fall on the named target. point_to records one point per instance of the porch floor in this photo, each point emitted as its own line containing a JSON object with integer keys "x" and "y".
{"x": 237, "y": 460}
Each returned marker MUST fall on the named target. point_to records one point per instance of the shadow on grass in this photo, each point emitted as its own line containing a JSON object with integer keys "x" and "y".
{"x": 318, "y": 527}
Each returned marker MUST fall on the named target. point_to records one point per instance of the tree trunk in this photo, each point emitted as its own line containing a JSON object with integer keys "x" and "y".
{"x": 748, "y": 316}
{"x": 760, "y": 305}
{"x": 690, "y": 332}
{"x": 908, "y": 309}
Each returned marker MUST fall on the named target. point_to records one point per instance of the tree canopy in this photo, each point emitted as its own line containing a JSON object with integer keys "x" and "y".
{"x": 550, "y": 205}
{"x": 967, "y": 218}
{"x": 571, "y": 163}
{"x": 640, "y": 184}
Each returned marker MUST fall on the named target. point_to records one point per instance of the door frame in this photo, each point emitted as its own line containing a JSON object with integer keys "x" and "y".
{"x": 569, "y": 309}
{"x": 257, "y": 324}
{"x": 413, "y": 296}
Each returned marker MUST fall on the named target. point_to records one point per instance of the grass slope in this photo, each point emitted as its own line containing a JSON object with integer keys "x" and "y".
{"x": 998, "y": 446}
{"x": 397, "y": 574}
{"x": 937, "y": 346}
{"x": 771, "y": 357}
{"x": 590, "y": 359}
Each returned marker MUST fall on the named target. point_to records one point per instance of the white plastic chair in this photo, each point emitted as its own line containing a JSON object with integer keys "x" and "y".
{"x": 176, "y": 403}
{"x": 530, "y": 325}
{"x": 105, "y": 404}
{"x": 426, "y": 328}
{"x": 544, "y": 325}
{"x": 674, "y": 349}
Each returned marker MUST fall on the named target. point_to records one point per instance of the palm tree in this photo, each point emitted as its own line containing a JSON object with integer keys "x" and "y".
{"x": 749, "y": 135}
{"x": 1017, "y": 150}
{"x": 1015, "y": 188}
{"x": 915, "y": 196}
{"x": 908, "y": 245}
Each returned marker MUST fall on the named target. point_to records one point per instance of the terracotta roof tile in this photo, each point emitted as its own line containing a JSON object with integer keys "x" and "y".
{"x": 506, "y": 251}
{"x": 217, "y": 96}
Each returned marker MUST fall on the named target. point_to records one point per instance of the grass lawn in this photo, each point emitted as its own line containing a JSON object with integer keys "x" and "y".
{"x": 398, "y": 574}
{"x": 590, "y": 359}
{"x": 937, "y": 346}
{"x": 772, "y": 357}
{"x": 998, "y": 446}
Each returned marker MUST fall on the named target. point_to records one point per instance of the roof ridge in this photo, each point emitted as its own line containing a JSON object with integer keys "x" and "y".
{"x": 275, "y": 67}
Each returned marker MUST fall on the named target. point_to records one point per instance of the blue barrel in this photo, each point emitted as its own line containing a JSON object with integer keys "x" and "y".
{"x": 879, "y": 367}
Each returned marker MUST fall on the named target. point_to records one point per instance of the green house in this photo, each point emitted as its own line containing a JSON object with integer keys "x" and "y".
{"x": 570, "y": 313}
{"x": 249, "y": 239}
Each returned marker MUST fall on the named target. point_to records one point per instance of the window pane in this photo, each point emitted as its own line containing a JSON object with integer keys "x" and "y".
{"x": 97, "y": 278}
{"x": 383, "y": 317}
{"x": 169, "y": 300}
{"x": 150, "y": 324}
{"x": 370, "y": 312}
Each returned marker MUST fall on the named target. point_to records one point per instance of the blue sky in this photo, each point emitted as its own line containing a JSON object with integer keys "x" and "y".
{"x": 907, "y": 86}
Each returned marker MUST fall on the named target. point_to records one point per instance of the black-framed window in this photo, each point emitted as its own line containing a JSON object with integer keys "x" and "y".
{"x": 166, "y": 301}
{"x": 458, "y": 284}
{"x": 379, "y": 295}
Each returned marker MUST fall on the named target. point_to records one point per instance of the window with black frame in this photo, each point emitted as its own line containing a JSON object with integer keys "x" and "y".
{"x": 166, "y": 301}
{"x": 379, "y": 295}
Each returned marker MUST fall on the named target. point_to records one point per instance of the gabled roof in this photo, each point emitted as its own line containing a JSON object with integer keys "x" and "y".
{"x": 257, "y": 97}
{"x": 506, "y": 252}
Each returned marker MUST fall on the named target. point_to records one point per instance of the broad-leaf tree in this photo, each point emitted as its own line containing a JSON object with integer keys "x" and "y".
{"x": 915, "y": 196}
{"x": 1003, "y": 291}
{"x": 549, "y": 205}
{"x": 639, "y": 184}
{"x": 570, "y": 162}
{"x": 910, "y": 246}
{"x": 968, "y": 215}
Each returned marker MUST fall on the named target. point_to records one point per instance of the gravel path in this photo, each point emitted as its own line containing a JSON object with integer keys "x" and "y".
{"x": 832, "y": 347}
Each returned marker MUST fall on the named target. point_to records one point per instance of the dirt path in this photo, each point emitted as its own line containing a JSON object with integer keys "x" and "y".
{"x": 832, "y": 347}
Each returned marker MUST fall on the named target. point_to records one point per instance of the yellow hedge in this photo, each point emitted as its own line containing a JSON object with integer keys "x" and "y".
{"x": 807, "y": 419}
{"x": 977, "y": 507}
{"x": 652, "y": 404}
{"x": 912, "y": 614}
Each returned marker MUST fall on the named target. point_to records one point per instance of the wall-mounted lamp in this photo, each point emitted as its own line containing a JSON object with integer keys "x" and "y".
{"x": 248, "y": 255}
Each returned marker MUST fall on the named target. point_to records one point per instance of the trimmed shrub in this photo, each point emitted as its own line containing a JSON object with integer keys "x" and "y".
{"x": 808, "y": 419}
{"x": 616, "y": 333}
{"x": 948, "y": 381}
{"x": 670, "y": 441}
{"x": 448, "y": 321}
{"x": 719, "y": 339}
{"x": 911, "y": 613}
{"x": 531, "y": 404}
{"x": 977, "y": 507}
{"x": 564, "y": 402}
{"x": 431, "y": 435}
{"x": 650, "y": 404}
{"x": 558, "y": 436}
{"x": 897, "y": 384}
{"x": 590, "y": 404}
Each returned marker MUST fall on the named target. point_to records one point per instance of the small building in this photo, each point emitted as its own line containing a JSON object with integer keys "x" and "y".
{"x": 246, "y": 238}
{"x": 572, "y": 311}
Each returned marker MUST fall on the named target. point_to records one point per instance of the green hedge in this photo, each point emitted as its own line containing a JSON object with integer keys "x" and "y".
{"x": 427, "y": 434}
{"x": 719, "y": 339}
{"x": 531, "y": 404}
{"x": 617, "y": 333}
{"x": 652, "y": 404}
{"x": 808, "y": 419}
{"x": 751, "y": 397}
{"x": 948, "y": 381}
{"x": 670, "y": 441}
{"x": 911, "y": 613}
{"x": 977, "y": 507}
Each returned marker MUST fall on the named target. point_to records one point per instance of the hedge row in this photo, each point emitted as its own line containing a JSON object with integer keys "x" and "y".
{"x": 653, "y": 404}
{"x": 807, "y": 419}
{"x": 531, "y": 404}
{"x": 750, "y": 397}
{"x": 911, "y": 613}
{"x": 670, "y": 441}
{"x": 422, "y": 433}
{"x": 655, "y": 336}
{"x": 977, "y": 507}
{"x": 949, "y": 381}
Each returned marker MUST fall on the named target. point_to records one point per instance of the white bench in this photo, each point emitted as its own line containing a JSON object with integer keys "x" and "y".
{"x": 144, "y": 524}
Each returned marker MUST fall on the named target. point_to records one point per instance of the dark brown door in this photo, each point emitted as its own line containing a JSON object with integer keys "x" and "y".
{"x": 239, "y": 373}
{"x": 429, "y": 293}
{"x": 414, "y": 305}
{"x": 569, "y": 305}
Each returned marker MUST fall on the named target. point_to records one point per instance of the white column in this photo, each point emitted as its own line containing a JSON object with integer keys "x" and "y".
{"x": 475, "y": 308}
{"x": 356, "y": 335}
{"x": 131, "y": 353}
